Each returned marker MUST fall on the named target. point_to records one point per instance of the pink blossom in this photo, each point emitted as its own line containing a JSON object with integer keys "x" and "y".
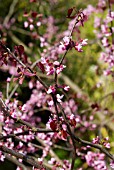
{"x": 105, "y": 42}
{"x": 80, "y": 44}
{"x": 59, "y": 97}
{"x": 8, "y": 79}
{"x": 78, "y": 47}
{"x": 50, "y": 69}
{"x": 50, "y": 102}
{"x": 26, "y": 24}
{"x": 66, "y": 88}
{"x": 52, "y": 161}
{"x": 31, "y": 26}
{"x": 0, "y": 94}
{"x": 51, "y": 90}
{"x": 60, "y": 69}
{"x": 105, "y": 30}
{"x": 56, "y": 63}
{"x": 64, "y": 127}
{"x": 38, "y": 24}
{"x": 66, "y": 41}
{"x": 112, "y": 164}
{"x": 97, "y": 22}
{"x": 2, "y": 157}
{"x": 96, "y": 160}
{"x": 96, "y": 140}
{"x": 84, "y": 42}
{"x": 107, "y": 145}
{"x": 62, "y": 46}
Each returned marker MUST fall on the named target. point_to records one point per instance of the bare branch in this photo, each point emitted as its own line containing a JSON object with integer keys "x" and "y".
{"x": 25, "y": 158}
{"x": 15, "y": 161}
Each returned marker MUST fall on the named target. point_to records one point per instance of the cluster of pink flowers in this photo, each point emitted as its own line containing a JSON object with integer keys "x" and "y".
{"x": 104, "y": 141}
{"x": 33, "y": 19}
{"x": 105, "y": 32}
{"x": 69, "y": 43}
{"x": 96, "y": 160}
{"x": 51, "y": 67}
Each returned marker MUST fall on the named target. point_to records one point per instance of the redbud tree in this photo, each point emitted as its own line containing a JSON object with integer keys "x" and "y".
{"x": 55, "y": 111}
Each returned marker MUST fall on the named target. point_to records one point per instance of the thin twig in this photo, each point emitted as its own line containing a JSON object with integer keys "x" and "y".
{"x": 18, "y": 41}
{"x": 107, "y": 95}
{"x": 71, "y": 135}
{"x": 70, "y": 35}
{"x": 11, "y": 11}
{"x": 7, "y": 90}
{"x": 13, "y": 91}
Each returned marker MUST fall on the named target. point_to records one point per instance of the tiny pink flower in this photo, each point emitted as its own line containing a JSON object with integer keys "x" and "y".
{"x": 51, "y": 90}
{"x": 31, "y": 26}
{"x": 66, "y": 40}
{"x": 66, "y": 88}
{"x": 56, "y": 63}
{"x": 59, "y": 69}
{"x": 26, "y": 24}
{"x": 107, "y": 145}
{"x": 78, "y": 47}
{"x": 84, "y": 42}
{"x": 59, "y": 97}
{"x": 105, "y": 42}
{"x": 38, "y": 24}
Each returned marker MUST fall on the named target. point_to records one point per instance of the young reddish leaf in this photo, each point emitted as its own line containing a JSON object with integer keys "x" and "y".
{"x": 73, "y": 122}
{"x": 41, "y": 66}
{"x": 69, "y": 13}
{"x": 34, "y": 14}
{"x": 112, "y": 1}
{"x": 64, "y": 134}
{"x": 95, "y": 106}
{"x": 53, "y": 125}
{"x": 18, "y": 70}
{"x": 25, "y": 58}
{"x": 20, "y": 49}
{"x": 32, "y": 1}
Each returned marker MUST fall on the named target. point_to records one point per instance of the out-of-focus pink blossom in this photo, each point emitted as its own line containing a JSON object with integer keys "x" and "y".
{"x": 112, "y": 164}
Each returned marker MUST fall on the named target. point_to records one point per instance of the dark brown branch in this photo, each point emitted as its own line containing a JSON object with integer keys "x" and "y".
{"x": 71, "y": 135}
{"x": 84, "y": 142}
{"x": 25, "y": 158}
{"x": 15, "y": 161}
{"x": 71, "y": 32}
